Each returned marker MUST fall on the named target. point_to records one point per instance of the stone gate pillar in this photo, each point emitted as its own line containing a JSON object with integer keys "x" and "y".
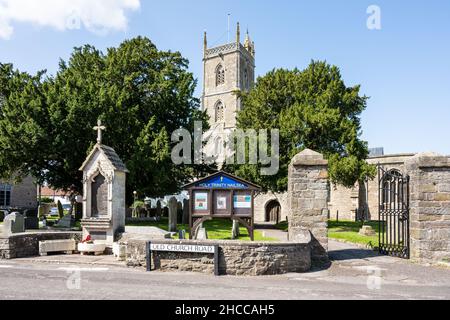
{"x": 429, "y": 207}
{"x": 308, "y": 194}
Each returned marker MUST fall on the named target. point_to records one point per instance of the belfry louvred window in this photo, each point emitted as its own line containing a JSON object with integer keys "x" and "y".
{"x": 220, "y": 75}
{"x": 220, "y": 115}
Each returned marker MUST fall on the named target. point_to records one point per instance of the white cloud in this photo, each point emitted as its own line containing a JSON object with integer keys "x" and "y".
{"x": 94, "y": 15}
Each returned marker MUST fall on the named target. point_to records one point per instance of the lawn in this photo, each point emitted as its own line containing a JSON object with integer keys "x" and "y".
{"x": 347, "y": 231}
{"x": 218, "y": 229}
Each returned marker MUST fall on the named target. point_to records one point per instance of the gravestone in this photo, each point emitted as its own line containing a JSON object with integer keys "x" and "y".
{"x": 367, "y": 231}
{"x": 182, "y": 234}
{"x": 179, "y": 211}
{"x": 14, "y": 223}
{"x": 66, "y": 222}
{"x": 173, "y": 208}
{"x": 235, "y": 233}
{"x": 31, "y": 219}
{"x": 202, "y": 234}
{"x": 158, "y": 209}
{"x": 78, "y": 211}
{"x": 185, "y": 211}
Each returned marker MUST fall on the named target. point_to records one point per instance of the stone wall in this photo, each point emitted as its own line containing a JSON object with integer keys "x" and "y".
{"x": 235, "y": 258}
{"x": 363, "y": 197}
{"x": 27, "y": 244}
{"x": 24, "y": 193}
{"x": 308, "y": 193}
{"x": 429, "y": 207}
{"x": 343, "y": 202}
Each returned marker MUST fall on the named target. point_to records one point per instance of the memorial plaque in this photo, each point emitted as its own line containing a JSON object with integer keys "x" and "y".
{"x": 99, "y": 197}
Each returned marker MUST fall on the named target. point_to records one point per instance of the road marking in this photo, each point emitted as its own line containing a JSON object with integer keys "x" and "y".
{"x": 84, "y": 269}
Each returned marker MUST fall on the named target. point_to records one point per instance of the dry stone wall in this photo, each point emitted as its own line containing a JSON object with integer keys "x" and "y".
{"x": 235, "y": 258}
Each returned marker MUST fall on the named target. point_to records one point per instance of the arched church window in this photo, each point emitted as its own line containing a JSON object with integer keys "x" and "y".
{"x": 220, "y": 112}
{"x": 220, "y": 75}
{"x": 246, "y": 84}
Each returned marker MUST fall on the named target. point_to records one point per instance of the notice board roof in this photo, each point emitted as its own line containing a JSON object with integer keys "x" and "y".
{"x": 222, "y": 180}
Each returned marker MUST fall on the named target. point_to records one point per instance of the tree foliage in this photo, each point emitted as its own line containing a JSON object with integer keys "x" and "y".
{"x": 140, "y": 93}
{"x": 313, "y": 109}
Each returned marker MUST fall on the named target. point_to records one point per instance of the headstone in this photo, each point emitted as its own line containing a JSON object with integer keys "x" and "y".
{"x": 31, "y": 219}
{"x": 185, "y": 211}
{"x": 66, "y": 222}
{"x": 78, "y": 211}
{"x": 182, "y": 234}
{"x": 14, "y": 223}
{"x": 202, "y": 234}
{"x": 235, "y": 232}
{"x": 173, "y": 208}
{"x": 179, "y": 211}
{"x": 44, "y": 209}
{"x": 367, "y": 231}
{"x": 158, "y": 209}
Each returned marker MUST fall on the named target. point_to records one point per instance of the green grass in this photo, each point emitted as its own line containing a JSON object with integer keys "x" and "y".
{"x": 284, "y": 226}
{"x": 349, "y": 231}
{"x": 218, "y": 229}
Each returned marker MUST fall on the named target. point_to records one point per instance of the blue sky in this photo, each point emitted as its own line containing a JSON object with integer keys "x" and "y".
{"x": 404, "y": 67}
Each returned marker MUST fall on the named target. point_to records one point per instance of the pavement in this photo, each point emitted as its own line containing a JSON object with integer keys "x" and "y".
{"x": 355, "y": 273}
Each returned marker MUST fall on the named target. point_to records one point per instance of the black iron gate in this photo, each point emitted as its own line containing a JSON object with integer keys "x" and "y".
{"x": 393, "y": 213}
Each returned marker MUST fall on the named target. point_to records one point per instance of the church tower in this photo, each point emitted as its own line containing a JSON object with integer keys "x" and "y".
{"x": 227, "y": 68}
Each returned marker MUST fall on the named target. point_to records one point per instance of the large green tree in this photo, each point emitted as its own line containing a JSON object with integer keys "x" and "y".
{"x": 140, "y": 93}
{"x": 312, "y": 109}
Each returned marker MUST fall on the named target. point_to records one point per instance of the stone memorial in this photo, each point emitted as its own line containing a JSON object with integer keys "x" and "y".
{"x": 185, "y": 219}
{"x": 104, "y": 177}
{"x": 367, "y": 231}
{"x": 31, "y": 219}
{"x": 235, "y": 231}
{"x": 13, "y": 223}
{"x": 173, "y": 209}
{"x": 66, "y": 222}
{"x": 179, "y": 211}
{"x": 202, "y": 234}
{"x": 158, "y": 209}
{"x": 78, "y": 211}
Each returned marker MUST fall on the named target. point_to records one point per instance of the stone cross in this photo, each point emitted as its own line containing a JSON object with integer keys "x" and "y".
{"x": 99, "y": 128}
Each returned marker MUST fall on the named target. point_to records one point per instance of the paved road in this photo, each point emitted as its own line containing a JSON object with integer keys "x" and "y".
{"x": 355, "y": 274}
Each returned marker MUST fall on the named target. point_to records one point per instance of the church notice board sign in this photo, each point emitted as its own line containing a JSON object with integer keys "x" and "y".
{"x": 221, "y": 195}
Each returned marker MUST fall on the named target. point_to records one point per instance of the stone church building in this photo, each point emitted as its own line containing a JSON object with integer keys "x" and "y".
{"x": 226, "y": 69}
{"x": 231, "y": 67}
{"x": 18, "y": 195}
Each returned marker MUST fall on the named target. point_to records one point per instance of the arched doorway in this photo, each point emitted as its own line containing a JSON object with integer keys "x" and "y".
{"x": 273, "y": 212}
